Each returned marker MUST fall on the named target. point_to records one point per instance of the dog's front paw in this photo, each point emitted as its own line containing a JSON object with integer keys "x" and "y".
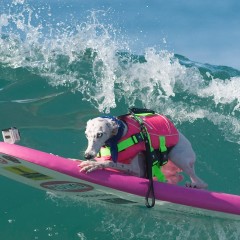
{"x": 190, "y": 185}
{"x": 196, "y": 185}
{"x": 89, "y": 166}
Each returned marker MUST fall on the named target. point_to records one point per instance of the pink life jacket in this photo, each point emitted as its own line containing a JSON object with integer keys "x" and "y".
{"x": 157, "y": 126}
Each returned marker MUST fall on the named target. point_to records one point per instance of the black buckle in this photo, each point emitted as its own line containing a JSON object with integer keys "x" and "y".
{"x": 138, "y": 136}
{"x": 159, "y": 157}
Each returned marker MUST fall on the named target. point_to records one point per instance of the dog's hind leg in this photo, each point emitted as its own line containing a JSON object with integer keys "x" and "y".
{"x": 196, "y": 181}
{"x": 183, "y": 156}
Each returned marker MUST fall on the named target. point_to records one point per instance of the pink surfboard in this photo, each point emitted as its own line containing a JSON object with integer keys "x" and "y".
{"x": 61, "y": 175}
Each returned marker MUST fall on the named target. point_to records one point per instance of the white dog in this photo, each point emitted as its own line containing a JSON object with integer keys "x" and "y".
{"x": 99, "y": 130}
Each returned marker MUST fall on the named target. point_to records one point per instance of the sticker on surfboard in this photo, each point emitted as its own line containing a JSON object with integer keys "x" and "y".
{"x": 10, "y": 158}
{"x": 27, "y": 172}
{"x": 66, "y": 186}
{"x": 3, "y": 161}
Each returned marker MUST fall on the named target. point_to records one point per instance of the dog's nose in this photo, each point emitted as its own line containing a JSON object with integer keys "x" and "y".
{"x": 88, "y": 156}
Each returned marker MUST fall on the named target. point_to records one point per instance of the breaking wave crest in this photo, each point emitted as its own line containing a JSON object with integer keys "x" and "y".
{"x": 94, "y": 58}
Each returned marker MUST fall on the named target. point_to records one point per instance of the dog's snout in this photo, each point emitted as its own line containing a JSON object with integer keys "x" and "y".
{"x": 88, "y": 156}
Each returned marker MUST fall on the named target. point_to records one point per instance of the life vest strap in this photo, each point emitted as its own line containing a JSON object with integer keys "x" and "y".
{"x": 162, "y": 145}
{"x": 156, "y": 160}
{"x": 163, "y": 150}
{"x": 104, "y": 151}
{"x": 132, "y": 140}
{"x": 157, "y": 172}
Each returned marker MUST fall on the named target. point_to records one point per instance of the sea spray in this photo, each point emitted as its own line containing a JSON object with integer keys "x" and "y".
{"x": 93, "y": 58}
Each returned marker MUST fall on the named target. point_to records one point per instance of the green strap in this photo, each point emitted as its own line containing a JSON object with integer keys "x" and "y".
{"x": 128, "y": 142}
{"x": 162, "y": 145}
{"x": 157, "y": 172}
{"x": 105, "y": 151}
{"x": 156, "y": 168}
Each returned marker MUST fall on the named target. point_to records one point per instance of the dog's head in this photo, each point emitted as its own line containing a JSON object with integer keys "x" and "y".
{"x": 98, "y": 131}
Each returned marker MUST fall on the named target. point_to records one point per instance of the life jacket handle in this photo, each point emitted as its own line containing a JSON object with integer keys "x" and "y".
{"x": 141, "y": 111}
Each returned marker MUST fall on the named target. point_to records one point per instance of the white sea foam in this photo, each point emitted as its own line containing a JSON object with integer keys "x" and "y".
{"x": 81, "y": 236}
{"x": 223, "y": 91}
{"x": 58, "y": 51}
{"x": 15, "y": 2}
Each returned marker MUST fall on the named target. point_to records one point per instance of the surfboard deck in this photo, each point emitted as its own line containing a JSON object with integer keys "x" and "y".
{"x": 61, "y": 176}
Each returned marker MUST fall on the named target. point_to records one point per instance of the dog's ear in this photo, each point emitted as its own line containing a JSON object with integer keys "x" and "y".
{"x": 113, "y": 126}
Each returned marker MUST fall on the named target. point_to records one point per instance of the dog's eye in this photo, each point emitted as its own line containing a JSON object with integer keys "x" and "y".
{"x": 99, "y": 134}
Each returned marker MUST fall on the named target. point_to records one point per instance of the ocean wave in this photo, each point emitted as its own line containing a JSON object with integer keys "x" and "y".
{"x": 90, "y": 58}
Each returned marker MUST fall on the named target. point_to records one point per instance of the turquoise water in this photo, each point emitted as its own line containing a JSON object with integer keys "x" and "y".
{"x": 55, "y": 75}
